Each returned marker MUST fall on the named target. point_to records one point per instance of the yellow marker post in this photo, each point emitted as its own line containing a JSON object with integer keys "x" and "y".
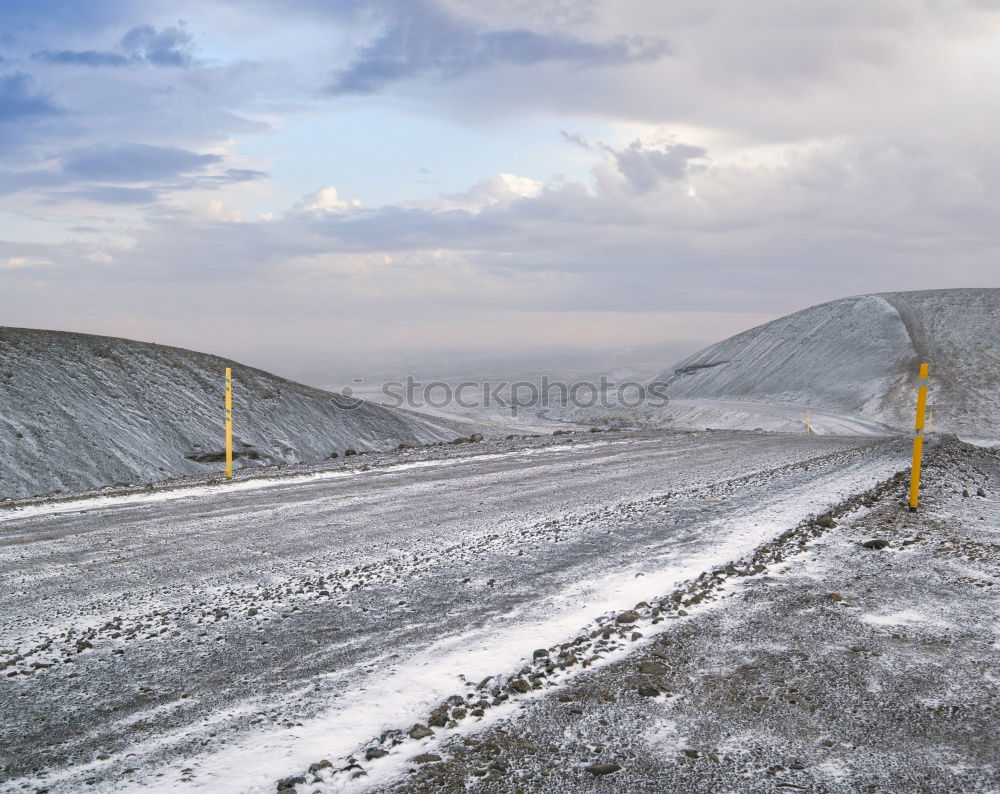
{"x": 229, "y": 422}
{"x": 808, "y": 420}
{"x": 918, "y": 438}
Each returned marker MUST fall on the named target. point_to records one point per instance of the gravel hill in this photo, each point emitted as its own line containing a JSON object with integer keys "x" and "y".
{"x": 80, "y": 411}
{"x": 855, "y": 357}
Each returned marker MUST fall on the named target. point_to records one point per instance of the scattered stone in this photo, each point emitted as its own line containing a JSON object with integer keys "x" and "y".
{"x": 519, "y": 685}
{"x": 835, "y": 597}
{"x": 980, "y": 492}
{"x": 289, "y": 783}
{"x": 375, "y": 752}
{"x": 627, "y": 617}
{"x": 439, "y": 718}
{"x": 965, "y": 493}
{"x": 876, "y": 543}
{"x": 541, "y": 653}
{"x": 602, "y": 769}
{"x": 649, "y": 691}
{"x": 319, "y": 766}
{"x": 426, "y": 758}
{"x": 419, "y": 731}
{"x": 349, "y": 452}
{"x": 826, "y": 522}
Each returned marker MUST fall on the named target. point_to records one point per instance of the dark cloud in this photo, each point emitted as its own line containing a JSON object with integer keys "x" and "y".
{"x": 19, "y": 101}
{"x": 81, "y": 58}
{"x": 644, "y": 168}
{"x": 133, "y": 162}
{"x": 124, "y": 163}
{"x": 233, "y": 175}
{"x": 16, "y": 181}
{"x": 167, "y": 47}
{"x": 143, "y": 44}
{"x": 419, "y": 39}
{"x": 576, "y": 139}
{"x": 113, "y": 194}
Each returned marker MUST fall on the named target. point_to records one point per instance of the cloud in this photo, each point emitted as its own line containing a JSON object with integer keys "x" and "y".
{"x": 114, "y": 194}
{"x": 641, "y": 168}
{"x": 495, "y": 191}
{"x": 325, "y": 201}
{"x": 143, "y": 44}
{"x": 81, "y": 57}
{"x": 167, "y": 47}
{"x": 86, "y": 172}
{"x": 236, "y": 175}
{"x": 419, "y": 39}
{"x": 133, "y": 162}
{"x": 645, "y": 168}
{"x": 18, "y": 100}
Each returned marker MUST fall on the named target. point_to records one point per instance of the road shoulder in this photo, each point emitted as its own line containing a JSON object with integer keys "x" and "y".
{"x": 840, "y": 668}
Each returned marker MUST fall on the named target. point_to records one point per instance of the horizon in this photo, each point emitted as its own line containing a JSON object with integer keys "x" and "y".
{"x": 333, "y": 370}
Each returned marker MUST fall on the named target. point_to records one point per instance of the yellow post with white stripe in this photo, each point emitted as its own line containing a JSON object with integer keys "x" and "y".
{"x": 229, "y": 423}
{"x": 918, "y": 439}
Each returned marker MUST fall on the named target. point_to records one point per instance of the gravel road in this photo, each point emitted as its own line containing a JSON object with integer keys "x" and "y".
{"x": 220, "y": 637}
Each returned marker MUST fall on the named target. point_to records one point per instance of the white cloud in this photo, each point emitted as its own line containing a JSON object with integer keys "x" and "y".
{"x": 218, "y": 211}
{"x": 326, "y": 200}
{"x": 500, "y": 190}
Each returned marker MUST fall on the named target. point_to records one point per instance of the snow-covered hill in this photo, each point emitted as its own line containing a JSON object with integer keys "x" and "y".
{"x": 80, "y": 411}
{"x": 853, "y": 364}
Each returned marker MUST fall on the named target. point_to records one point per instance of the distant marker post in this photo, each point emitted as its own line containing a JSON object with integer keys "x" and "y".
{"x": 229, "y": 423}
{"x": 918, "y": 438}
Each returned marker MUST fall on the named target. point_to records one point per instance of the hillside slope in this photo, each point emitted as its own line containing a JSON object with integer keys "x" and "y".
{"x": 79, "y": 411}
{"x": 855, "y": 357}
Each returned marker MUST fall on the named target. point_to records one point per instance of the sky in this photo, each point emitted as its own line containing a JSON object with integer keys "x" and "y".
{"x": 288, "y": 183}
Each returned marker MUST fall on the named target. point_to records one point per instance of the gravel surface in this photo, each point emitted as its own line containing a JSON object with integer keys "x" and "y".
{"x": 220, "y": 637}
{"x": 865, "y": 658}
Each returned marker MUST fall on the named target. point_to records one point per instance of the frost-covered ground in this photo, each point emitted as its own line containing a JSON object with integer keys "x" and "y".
{"x": 220, "y": 637}
{"x": 80, "y": 411}
{"x": 855, "y": 357}
{"x": 858, "y": 652}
